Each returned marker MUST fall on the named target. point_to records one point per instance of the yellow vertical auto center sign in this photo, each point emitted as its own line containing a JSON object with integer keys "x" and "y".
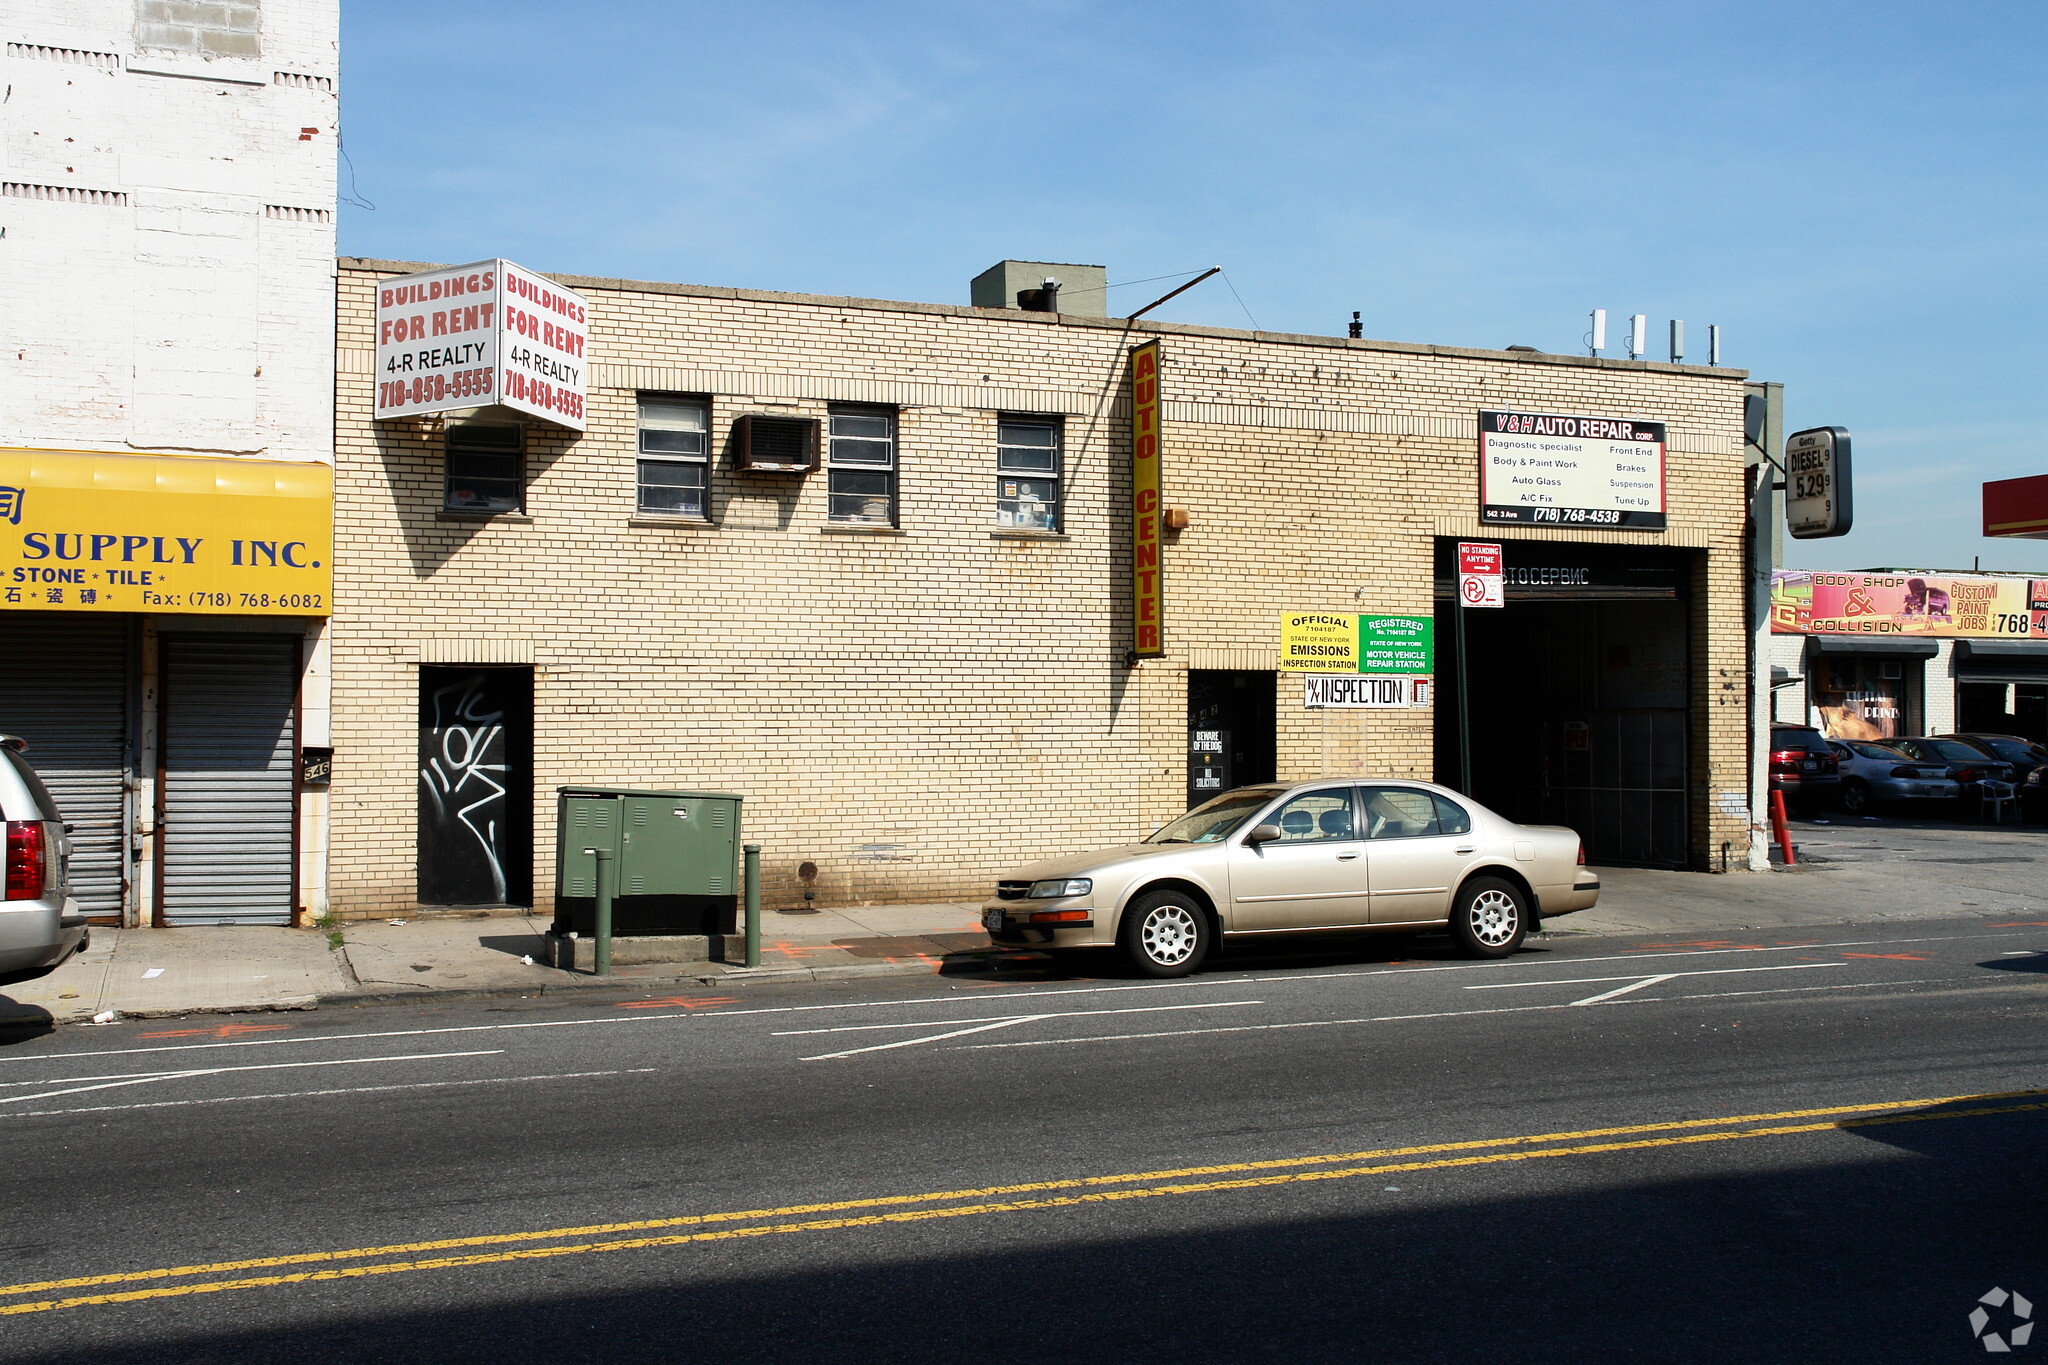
{"x": 91, "y": 531}
{"x": 1147, "y": 599}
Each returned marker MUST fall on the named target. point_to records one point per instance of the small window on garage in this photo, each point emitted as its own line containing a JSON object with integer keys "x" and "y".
{"x": 1028, "y": 472}
{"x": 483, "y": 468}
{"x": 860, "y": 461}
{"x": 674, "y": 478}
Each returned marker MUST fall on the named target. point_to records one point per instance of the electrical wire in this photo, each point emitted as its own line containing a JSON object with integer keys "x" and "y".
{"x": 1240, "y": 301}
{"x": 354, "y": 195}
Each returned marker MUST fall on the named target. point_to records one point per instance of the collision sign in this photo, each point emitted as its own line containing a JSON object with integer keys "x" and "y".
{"x": 1817, "y": 488}
{"x": 488, "y": 334}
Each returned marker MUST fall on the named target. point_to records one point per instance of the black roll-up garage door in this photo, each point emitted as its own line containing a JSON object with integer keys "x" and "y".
{"x": 228, "y": 740}
{"x": 64, "y": 686}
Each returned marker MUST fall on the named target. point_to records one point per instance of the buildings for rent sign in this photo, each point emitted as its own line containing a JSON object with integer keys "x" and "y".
{"x": 487, "y": 334}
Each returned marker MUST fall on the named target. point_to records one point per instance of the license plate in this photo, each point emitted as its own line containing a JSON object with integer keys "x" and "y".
{"x": 992, "y": 920}
{"x": 1811, "y": 765}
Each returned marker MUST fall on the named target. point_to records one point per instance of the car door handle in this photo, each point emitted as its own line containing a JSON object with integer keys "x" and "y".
{"x": 1468, "y": 848}
{"x": 1346, "y": 857}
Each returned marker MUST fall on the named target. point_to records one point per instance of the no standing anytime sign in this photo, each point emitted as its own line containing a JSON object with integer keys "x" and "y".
{"x": 488, "y": 334}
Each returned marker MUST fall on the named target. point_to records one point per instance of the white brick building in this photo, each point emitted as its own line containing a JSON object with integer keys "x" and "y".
{"x": 167, "y": 188}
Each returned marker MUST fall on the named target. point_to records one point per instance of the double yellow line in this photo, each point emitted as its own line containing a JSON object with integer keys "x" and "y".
{"x": 1041, "y": 1194}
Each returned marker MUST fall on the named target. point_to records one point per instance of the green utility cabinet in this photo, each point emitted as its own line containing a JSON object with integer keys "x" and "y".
{"x": 676, "y": 855}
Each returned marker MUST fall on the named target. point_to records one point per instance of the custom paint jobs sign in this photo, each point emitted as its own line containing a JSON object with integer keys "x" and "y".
{"x": 1938, "y": 606}
{"x": 1357, "y": 642}
{"x": 1546, "y": 469}
{"x": 487, "y": 334}
{"x": 92, "y": 531}
{"x": 1148, "y": 601}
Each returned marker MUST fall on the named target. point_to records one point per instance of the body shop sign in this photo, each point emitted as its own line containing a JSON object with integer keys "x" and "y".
{"x": 488, "y": 334}
{"x": 1542, "y": 469}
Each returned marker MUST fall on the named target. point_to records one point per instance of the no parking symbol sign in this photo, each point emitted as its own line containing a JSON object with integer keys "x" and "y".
{"x": 1479, "y": 574}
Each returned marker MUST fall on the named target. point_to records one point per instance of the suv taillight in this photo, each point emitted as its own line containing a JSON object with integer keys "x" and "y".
{"x": 1582, "y": 853}
{"x": 27, "y": 860}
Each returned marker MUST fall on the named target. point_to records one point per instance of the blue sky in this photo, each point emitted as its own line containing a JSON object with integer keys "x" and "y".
{"x": 1855, "y": 192}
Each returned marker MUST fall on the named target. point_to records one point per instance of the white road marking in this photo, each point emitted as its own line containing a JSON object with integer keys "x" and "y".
{"x": 1062, "y": 1014}
{"x": 1438, "y": 1014}
{"x": 226, "y": 1070}
{"x": 315, "y": 1094}
{"x": 1235, "y": 980}
{"x": 1638, "y": 982}
{"x": 988, "y": 1025}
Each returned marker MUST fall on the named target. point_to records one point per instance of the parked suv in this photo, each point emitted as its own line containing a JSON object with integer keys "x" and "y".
{"x": 40, "y": 924}
{"x": 1803, "y": 766}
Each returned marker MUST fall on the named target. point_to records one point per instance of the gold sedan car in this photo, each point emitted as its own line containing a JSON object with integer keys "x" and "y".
{"x": 1337, "y": 853}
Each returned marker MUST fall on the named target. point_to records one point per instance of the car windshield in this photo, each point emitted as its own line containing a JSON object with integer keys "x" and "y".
{"x": 1799, "y": 739}
{"x": 1215, "y": 819}
{"x": 1878, "y": 751}
{"x": 2010, "y": 749}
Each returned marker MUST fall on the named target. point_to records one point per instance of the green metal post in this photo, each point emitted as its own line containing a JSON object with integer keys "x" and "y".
{"x": 753, "y": 905}
{"x": 605, "y": 890}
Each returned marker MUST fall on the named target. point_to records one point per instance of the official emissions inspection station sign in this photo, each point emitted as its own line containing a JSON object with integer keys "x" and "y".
{"x": 1356, "y": 642}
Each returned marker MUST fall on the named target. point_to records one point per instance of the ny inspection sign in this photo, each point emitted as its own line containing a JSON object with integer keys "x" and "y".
{"x": 1357, "y": 643}
{"x": 487, "y": 334}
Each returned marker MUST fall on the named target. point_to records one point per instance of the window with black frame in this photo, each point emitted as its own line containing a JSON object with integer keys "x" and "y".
{"x": 1028, "y": 473}
{"x": 483, "y": 468}
{"x": 673, "y": 478}
{"x": 860, "y": 473}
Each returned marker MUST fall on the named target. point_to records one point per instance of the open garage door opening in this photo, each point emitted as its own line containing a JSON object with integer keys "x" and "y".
{"x": 1578, "y": 696}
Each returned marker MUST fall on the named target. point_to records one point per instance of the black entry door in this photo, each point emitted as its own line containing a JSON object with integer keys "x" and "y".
{"x": 476, "y": 786}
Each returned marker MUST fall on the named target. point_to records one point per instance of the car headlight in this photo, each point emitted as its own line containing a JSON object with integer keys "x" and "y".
{"x": 1062, "y": 886}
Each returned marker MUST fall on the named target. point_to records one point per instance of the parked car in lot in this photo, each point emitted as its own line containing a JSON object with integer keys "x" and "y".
{"x": 40, "y": 924}
{"x": 1336, "y": 853}
{"x": 1803, "y": 767}
{"x": 1975, "y": 772}
{"x": 2025, "y": 757}
{"x": 1875, "y": 775}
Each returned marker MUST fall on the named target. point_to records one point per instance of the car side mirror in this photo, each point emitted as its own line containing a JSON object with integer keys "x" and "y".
{"x": 1262, "y": 834}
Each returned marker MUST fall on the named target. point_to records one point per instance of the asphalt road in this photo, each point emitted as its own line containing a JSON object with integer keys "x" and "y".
{"x": 1813, "y": 1148}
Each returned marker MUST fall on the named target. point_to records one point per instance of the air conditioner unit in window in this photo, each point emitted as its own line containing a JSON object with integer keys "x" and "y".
{"x": 775, "y": 445}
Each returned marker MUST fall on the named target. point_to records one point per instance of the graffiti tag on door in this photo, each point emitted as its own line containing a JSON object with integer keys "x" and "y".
{"x": 462, "y": 787}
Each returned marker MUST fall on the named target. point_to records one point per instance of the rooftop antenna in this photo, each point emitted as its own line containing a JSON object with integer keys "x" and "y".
{"x": 1678, "y": 341}
{"x": 1638, "y": 335}
{"x": 1713, "y": 343}
{"x": 1357, "y": 327}
{"x": 1596, "y": 339}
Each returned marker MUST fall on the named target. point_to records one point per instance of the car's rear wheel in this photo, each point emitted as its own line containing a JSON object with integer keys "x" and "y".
{"x": 1856, "y": 798}
{"x": 1164, "y": 933}
{"x": 1490, "y": 919}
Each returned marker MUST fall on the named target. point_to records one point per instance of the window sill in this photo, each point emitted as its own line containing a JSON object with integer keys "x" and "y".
{"x": 1026, "y": 533}
{"x": 516, "y": 518}
{"x": 674, "y": 523}
{"x": 851, "y": 529}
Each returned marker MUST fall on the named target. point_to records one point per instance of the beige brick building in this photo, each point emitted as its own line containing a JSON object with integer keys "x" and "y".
{"x": 912, "y": 681}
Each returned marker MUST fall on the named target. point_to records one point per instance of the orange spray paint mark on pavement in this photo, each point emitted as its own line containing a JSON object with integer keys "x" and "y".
{"x": 687, "y": 1002}
{"x": 222, "y": 1031}
{"x": 1891, "y": 957}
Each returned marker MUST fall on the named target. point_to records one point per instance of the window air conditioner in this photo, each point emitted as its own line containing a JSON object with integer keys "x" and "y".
{"x": 775, "y": 445}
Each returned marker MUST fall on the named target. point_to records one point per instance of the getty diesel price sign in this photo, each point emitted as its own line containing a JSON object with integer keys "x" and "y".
{"x": 1543, "y": 469}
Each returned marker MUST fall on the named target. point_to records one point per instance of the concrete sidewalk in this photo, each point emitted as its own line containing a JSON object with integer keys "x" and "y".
{"x": 1868, "y": 872}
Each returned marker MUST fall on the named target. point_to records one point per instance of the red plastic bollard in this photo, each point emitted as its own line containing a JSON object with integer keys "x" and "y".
{"x": 1782, "y": 828}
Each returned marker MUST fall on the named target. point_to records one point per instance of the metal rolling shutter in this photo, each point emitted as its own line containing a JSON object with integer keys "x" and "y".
{"x": 64, "y": 689}
{"x": 228, "y": 739}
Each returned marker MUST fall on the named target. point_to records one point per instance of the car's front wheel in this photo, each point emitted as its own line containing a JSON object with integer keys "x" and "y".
{"x": 1164, "y": 933}
{"x": 1490, "y": 919}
